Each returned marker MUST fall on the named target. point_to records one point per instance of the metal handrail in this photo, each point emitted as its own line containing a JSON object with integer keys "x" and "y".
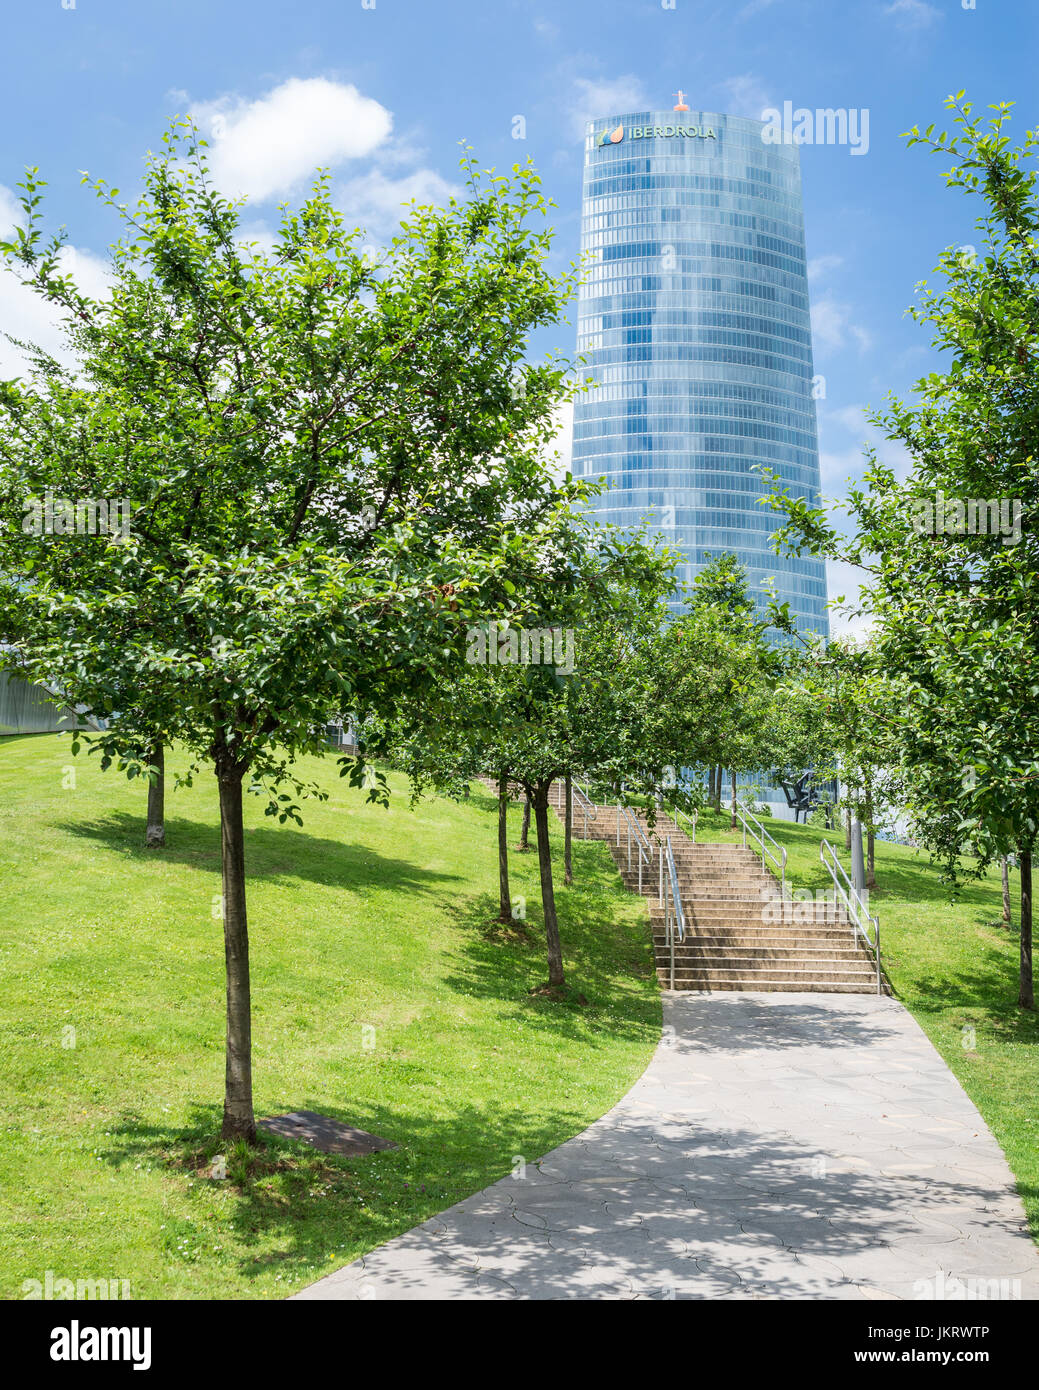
{"x": 585, "y": 804}
{"x": 676, "y": 812}
{"x": 640, "y": 834}
{"x": 763, "y": 835}
{"x": 858, "y": 913}
{"x": 674, "y": 915}
{"x": 642, "y": 845}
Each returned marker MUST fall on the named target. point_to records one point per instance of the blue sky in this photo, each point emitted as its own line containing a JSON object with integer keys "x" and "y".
{"x": 382, "y": 92}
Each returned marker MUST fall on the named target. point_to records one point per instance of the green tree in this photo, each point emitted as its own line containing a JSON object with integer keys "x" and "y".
{"x": 334, "y": 462}
{"x": 837, "y": 713}
{"x": 564, "y": 694}
{"x": 747, "y": 669}
{"x": 952, "y": 552}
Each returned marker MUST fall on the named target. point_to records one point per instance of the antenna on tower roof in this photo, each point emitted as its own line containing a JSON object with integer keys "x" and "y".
{"x": 680, "y": 106}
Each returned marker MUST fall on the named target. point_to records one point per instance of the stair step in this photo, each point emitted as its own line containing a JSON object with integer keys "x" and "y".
{"x": 732, "y": 950}
{"x": 768, "y": 970}
{"x": 772, "y": 987}
{"x": 768, "y": 977}
{"x": 739, "y": 909}
{"x": 717, "y": 940}
{"x": 729, "y": 898}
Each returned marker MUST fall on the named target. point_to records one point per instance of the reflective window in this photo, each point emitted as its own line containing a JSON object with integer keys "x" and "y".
{"x": 693, "y": 324}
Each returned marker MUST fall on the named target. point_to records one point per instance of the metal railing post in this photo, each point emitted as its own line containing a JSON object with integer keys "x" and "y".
{"x": 671, "y": 937}
{"x": 876, "y": 928}
{"x": 854, "y": 906}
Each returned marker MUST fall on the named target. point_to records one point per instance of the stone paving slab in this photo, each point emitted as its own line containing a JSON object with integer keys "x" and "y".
{"x": 778, "y": 1146}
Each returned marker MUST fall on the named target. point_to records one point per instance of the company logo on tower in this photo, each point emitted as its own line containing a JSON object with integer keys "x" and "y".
{"x": 648, "y": 132}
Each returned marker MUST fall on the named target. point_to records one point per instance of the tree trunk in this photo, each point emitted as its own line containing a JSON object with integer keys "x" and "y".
{"x": 548, "y": 900}
{"x": 504, "y": 900}
{"x": 155, "y": 831}
{"x": 239, "y": 1121}
{"x": 525, "y": 832}
{"x": 732, "y": 774}
{"x": 871, "y": 877}
{"x": 1026, "y": 998}
{"x": 568, "y": 830}
{"x": 847, "y": 828}
{"x": 1008, "y": 919}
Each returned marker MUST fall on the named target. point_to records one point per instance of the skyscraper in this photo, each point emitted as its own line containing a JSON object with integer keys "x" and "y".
{"x": 694, "y": 323}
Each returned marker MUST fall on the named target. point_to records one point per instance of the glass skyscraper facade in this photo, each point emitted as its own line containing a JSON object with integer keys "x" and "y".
{"x": 694, "y": 323}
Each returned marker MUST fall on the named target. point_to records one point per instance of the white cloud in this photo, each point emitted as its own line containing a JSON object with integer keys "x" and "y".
{"x": 896, "y": 456}
{"x": 912, "y": 14}
{"x": 592, "y": 98}
{"x": 849, "y": 417}
{"x": 23, "y": 314}
{"x": 403, "y": 150}
{"x": 265, "y": 148}
{"x": 837, "y": 466}
{"x": 832, "y": 325}
{"x": 10, "y": 211}
{"x": 375, "y": 202}
{"x": 846, "y": 581}
{"x": 562, "y": 443}
{"x": 258, "y": 235}
{"x": 818, "y": 266}
{"x": 745, "y": 95}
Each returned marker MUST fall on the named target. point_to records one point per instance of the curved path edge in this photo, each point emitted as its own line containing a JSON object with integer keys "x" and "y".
{"x": 777, "y": 1146}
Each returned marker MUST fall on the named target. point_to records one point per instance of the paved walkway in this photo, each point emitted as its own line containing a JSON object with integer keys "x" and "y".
{"x": 777, "y": 1146}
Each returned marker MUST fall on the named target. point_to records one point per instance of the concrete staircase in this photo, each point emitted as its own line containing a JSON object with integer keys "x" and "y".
{"x": 740, "y": 935}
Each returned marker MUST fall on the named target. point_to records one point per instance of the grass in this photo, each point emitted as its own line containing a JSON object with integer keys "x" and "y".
{"x": 955, "y": 967}
{"x": 382, "y": 996}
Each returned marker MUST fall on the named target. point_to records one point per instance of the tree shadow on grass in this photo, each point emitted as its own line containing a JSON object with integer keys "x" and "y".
{"x": 607, "y": 956}
{"x": 911, "y": 877}
{"x": 697, "y": 1208}
{"x": 312, "y": 1204}
{"x": 274, "y": 854}
{"x": 988, "y": 991}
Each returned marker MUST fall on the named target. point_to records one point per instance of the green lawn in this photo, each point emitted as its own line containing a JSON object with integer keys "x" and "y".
{"x": 363, "y": 919}
{"x": 954, "y": 966}
{"x": 111, "y": 1021}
